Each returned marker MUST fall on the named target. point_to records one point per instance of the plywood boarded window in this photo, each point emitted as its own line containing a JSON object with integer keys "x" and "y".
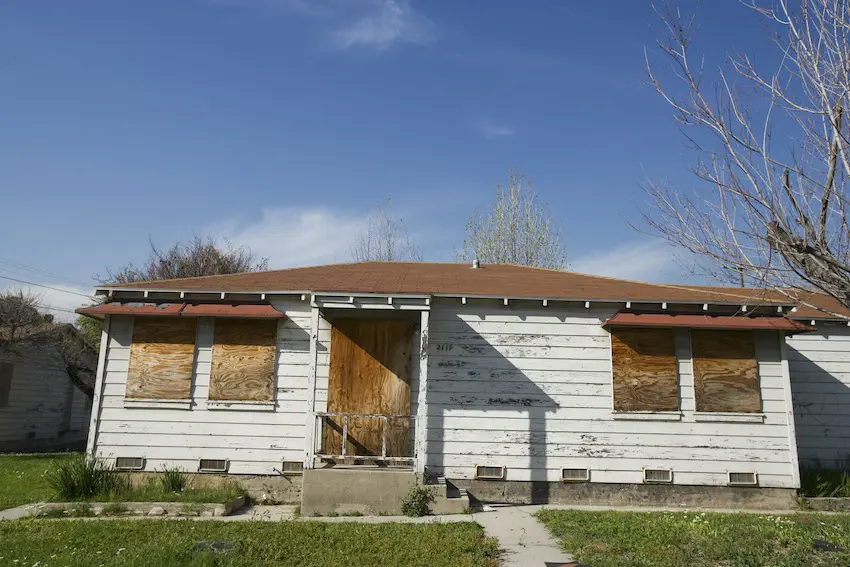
{"x": 725, "y": 371}
{"x": 6, "y": 371}
{"x": 644, "y": 363}
{"x": 369, "y": 374}
{"x": 243, "y": 358}
{"x": 161, "y": 358}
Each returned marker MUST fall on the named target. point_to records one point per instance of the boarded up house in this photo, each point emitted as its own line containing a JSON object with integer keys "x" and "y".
{"x": 493, "y": 376}
{"x": 46, "y": 385}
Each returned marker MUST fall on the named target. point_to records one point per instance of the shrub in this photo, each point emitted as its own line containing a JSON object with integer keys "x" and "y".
{"x": 825, "y": 482}
{"x": 417, "y": 500}
{"x": 173, "y": 480}
{"x": 83, "y": 479}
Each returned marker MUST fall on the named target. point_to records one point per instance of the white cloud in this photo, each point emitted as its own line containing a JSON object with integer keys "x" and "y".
{"x": 493, "y": 131}
{"x": 291, "y": 236}
{"x": 59, "y": 302}
{"x": 392, "y": 21}
{"x": 650, "y": 260}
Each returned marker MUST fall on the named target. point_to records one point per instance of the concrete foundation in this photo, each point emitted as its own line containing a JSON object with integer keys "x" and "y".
{"x": 595, "y": 494}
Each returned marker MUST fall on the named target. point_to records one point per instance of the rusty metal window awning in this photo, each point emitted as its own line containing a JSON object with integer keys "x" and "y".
{"x": 707, "y": 322}
{"x": 246, "y": 310}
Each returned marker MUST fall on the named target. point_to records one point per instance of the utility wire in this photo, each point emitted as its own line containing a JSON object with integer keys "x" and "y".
{"x": 32, "y": 269}
{"x": 46, "y": 287}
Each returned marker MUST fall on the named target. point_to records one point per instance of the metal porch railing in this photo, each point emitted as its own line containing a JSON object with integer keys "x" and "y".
{"x": 323, "y": 421}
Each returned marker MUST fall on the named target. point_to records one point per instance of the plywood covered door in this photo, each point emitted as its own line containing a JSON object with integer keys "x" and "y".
{"x": 369, "y": 374}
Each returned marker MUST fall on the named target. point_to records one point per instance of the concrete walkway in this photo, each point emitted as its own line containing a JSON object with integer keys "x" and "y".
{"x": 18, "y": 513}
{"x": 522, "y": 538}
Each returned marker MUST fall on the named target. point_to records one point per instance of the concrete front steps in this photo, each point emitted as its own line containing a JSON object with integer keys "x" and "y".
{"x": 371, "y": 491}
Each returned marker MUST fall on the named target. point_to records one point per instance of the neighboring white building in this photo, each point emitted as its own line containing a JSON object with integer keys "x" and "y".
{"x": 42, "y": 407}
{"x": 501, "y": 371}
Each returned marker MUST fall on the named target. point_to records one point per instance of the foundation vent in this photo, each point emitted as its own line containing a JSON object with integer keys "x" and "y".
{"x": 489, "y": 473}
{"x": 575, "y": 475}
{"x": 658, "y": 476}
{"x": 743, "y": 479}
{"x": 213, "y": 465}
{"x": 129, "y": 463}
{"x": 292, "y": 467}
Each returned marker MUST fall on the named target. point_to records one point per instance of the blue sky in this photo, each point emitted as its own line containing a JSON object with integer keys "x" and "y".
{"x": 280, "y": 124}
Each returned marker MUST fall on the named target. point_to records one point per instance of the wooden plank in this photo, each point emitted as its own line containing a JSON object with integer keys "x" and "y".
{"x": 369, "y": 373}
{"x": 725, "y": 371}
{"x": 644, "y": 370}
{"x": 243, "y": 358}
{"x": 161, "y": 358}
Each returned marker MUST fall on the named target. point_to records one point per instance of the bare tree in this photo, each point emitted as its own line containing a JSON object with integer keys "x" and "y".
{"x": 385, "y": 239}
{"x": 19, "y": 315}
{"x": 773, "y": 213}
{"x": 518, "y": 229}
{"x": 198, "y": 257}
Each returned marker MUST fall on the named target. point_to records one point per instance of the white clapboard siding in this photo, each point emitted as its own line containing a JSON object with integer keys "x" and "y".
{"x": 530, "y": 388}
{"x": 819, "y": 363}
{"x": 44, "y": 404}
{"x": 255, "y": 442}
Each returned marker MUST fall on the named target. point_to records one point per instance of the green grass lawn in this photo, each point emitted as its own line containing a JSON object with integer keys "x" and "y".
{"x": 169, "y": 542}
{"x": 680, "y": 539}
{"x": 22, "y": 477}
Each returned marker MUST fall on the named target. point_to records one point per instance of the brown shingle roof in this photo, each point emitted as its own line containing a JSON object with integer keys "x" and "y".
{"x": 499, "y": 280}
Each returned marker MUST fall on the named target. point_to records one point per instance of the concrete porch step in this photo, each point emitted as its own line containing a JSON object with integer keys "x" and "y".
{"x": 371, "y": 491}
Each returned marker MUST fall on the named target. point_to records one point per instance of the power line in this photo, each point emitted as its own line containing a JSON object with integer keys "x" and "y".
{"x": 52, "y": 308}
{"x": 33, "y": 269}
{"x": 46, "y": 287}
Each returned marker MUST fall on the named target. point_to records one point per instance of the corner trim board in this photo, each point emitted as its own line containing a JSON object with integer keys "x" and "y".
{"x": 310, "y": 431}
{"x": 420, "y": 451}
{"x": 97, "y": 396}
{"x": 789, "y": 411}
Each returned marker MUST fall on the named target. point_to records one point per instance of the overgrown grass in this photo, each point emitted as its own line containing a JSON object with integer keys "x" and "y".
{"x": 165, "y": 543}
{"x": 68, "y": 477}
{"x": 173, "y": 480}
{"x": 680, "y": 539}
{"x": 152, "y": 490}
{"x": 825, "y": 482}
{"x": 23, "y": 478}
{"x": 81, "y": 479}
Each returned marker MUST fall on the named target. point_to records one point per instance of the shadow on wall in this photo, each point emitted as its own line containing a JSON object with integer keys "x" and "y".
{"x": 821, "y": 406}
{"x": 472, "y": 379}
